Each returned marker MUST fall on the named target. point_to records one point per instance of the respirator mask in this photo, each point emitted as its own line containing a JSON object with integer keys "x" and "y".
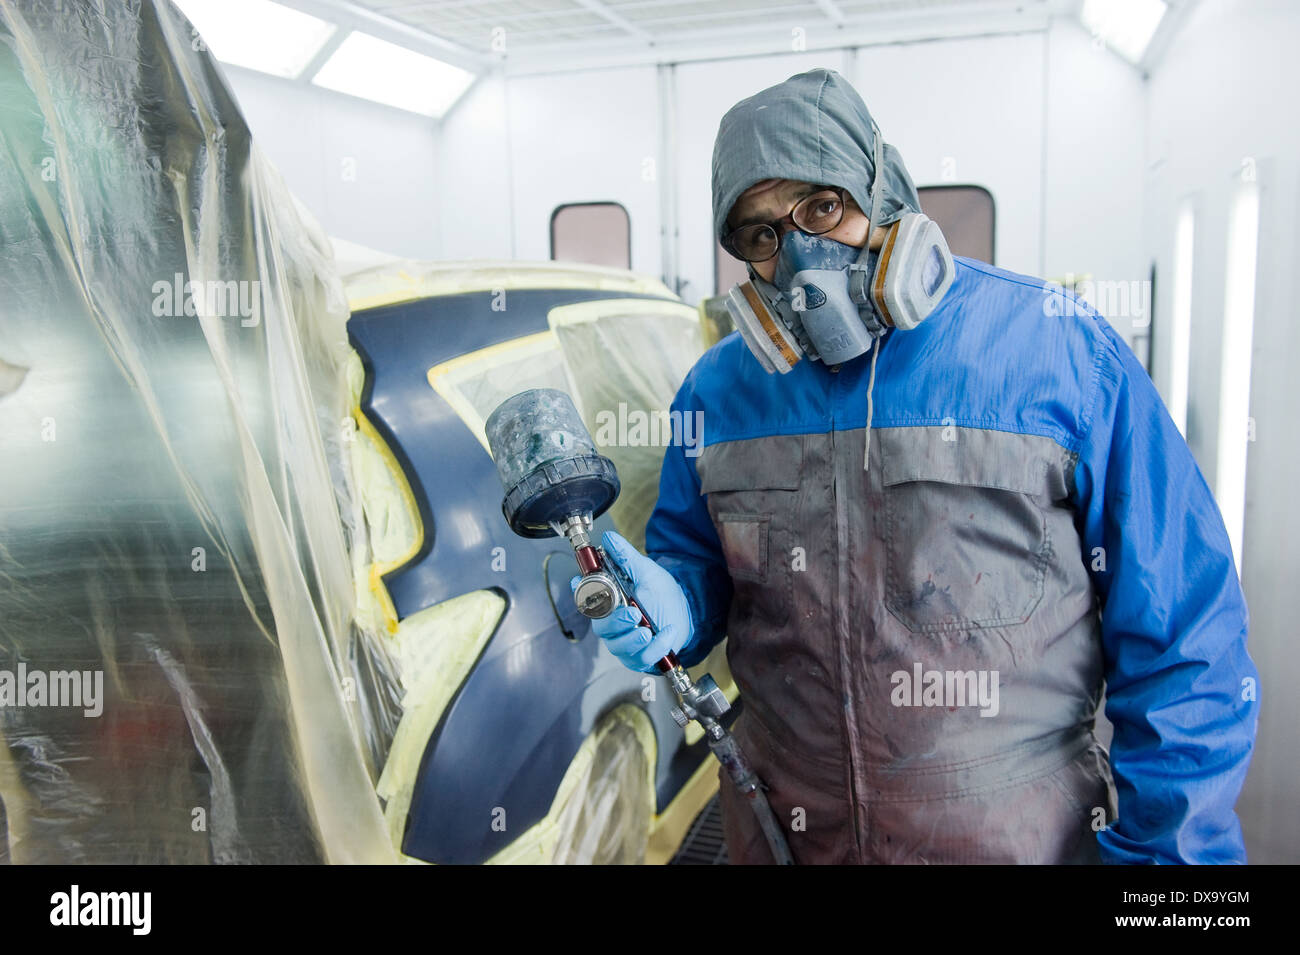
{"x": 829, "y": 301}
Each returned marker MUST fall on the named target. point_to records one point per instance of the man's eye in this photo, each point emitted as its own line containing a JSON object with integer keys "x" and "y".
{"x": 824, "y": 210}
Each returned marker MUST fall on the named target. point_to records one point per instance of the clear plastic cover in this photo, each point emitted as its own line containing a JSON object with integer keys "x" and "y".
{"x": 175, "y": 518}
{"x": 196, "y": 660}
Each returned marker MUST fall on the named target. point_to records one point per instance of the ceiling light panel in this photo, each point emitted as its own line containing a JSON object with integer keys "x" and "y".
{"x": 258, "y": 34}
{"x": 384, "y": 72}
{"x": 1127, "y": 26}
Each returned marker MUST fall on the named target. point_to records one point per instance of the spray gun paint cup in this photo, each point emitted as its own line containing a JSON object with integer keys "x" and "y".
{"x": 548, "y": 465}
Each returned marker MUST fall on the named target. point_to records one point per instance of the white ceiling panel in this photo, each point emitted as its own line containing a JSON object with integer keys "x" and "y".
{"x": 536, "y": 30}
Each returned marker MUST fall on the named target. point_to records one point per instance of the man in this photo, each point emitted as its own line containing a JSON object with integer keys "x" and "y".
{"x": 920, "y": 626}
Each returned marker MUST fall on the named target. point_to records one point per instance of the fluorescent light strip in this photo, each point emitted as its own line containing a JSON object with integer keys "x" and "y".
{"x": 1180, "y": 347}
{"x": 1234, "y": 382}
{"x": 258, "y": 34}
{"x": 1127, "y": 26}
{"x": 384, "y": 72}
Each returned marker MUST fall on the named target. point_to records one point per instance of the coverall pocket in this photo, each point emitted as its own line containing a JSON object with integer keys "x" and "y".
{"x": 744, "y": 539}
{"x": 967, "y": 542}
{"x": 751, "y": 488}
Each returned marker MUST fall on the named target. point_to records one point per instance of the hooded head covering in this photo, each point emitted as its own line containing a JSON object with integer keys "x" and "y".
{"x": 814, "y": 128}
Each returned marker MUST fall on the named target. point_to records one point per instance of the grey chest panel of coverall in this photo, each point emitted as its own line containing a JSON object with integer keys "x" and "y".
{"x": 957, "y": 556}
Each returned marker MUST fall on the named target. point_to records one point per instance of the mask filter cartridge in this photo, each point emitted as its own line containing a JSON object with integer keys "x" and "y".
{"x": 757, "y": 315}
{"x": 914, "y": 272}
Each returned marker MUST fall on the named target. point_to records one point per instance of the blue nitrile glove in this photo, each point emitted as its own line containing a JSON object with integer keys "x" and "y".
{"x": 663, "y": 600}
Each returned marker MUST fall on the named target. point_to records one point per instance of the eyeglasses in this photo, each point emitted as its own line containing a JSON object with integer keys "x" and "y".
{"x": 815, "y": 214}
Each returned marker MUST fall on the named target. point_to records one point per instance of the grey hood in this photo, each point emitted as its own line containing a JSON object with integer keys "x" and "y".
{"x": 814, "y": 128}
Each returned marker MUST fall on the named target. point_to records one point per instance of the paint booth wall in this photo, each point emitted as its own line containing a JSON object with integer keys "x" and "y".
{"x": 367, "y": 172}
{"x": 1048, "y": 122}
{"x": 1213, "y": 110}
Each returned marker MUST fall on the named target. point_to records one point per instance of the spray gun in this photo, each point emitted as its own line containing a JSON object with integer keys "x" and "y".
{"x": 557, "y": 484}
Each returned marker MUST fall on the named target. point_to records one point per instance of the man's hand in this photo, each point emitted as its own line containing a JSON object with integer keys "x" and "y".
{"x": 663, "y": 600}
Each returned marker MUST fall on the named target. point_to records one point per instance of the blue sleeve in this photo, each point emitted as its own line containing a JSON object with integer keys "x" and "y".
{"x": 680, "y": 537}
{"x": 1181, "y": 688}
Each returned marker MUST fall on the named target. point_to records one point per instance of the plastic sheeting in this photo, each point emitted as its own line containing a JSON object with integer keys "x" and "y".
{"x": 175, "y": 513}
{"x": 193, "y": 522}
{"x": 627, "y": 360}
{"x": 602, "y": 812}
